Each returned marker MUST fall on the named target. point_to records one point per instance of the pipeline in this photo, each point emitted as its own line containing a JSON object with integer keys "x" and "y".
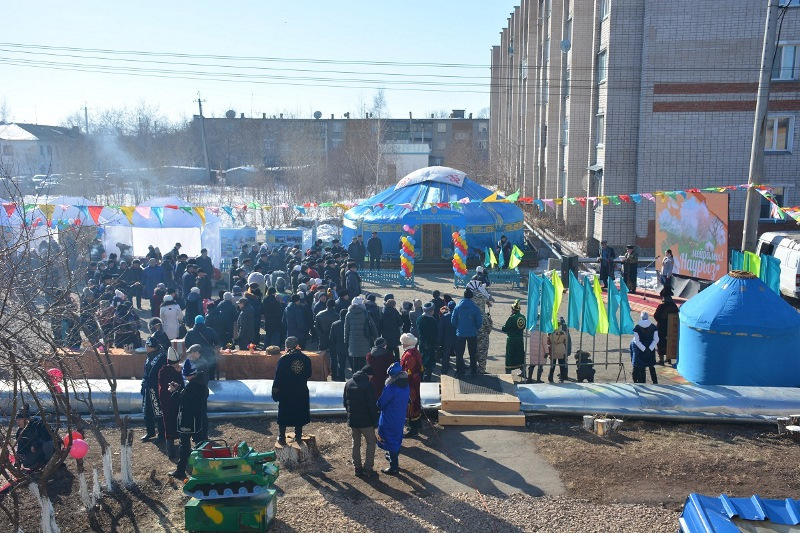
{"x": 674, "y": 403}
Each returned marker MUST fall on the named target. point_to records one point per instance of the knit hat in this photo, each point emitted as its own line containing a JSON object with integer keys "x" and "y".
{"x": 394, "y": 369}
{"x": 189, "y": 369}
{"x": 407, "y": 339}
{"x": 199, "y": 319}
{"x": 358, "y": 301}
{"x": 451, "y": 305}
{"x": 196, "y": 290}
{"x": 371, "y": 297}
{"x": 168, "y": 298}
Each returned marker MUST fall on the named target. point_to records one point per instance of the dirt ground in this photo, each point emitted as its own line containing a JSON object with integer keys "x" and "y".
{"x": 657, "y": 465}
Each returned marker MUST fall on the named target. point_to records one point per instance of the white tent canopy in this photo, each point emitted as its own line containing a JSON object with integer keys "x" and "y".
{"x": 176, "y": 225}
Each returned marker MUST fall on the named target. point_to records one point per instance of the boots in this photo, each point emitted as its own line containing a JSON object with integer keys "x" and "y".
{"x": 413, "y": 428}
{"x": 539, "y": 374}
{"x": 171, "y": 451}
{"x": 530, "y": 374}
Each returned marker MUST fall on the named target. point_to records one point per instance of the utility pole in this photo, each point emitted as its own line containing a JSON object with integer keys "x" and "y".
{"x": 86, "y": 117}
{"x": 203, "y": 137}
{"x": 756, "y": 175}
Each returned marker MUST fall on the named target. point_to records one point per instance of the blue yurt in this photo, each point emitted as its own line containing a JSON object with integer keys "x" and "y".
{"x": 739, "y": 332}
{"x": 436, "y": 201}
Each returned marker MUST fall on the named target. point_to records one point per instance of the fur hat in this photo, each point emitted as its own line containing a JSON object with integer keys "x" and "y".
{"x": 407, "y": 339}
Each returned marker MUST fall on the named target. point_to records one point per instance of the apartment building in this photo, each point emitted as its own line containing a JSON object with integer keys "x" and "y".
{"x": 608, "y": 97}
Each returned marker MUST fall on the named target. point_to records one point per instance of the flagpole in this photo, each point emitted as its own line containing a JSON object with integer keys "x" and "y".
{"x": 583, "y": 308}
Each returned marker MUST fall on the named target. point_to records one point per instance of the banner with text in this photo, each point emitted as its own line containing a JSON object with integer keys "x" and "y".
{"x": 695, "y": 228}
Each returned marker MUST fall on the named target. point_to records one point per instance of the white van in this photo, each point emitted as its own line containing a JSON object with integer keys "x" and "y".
{"x": 784, "y": 245}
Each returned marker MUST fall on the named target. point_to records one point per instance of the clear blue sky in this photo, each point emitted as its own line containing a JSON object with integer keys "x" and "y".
{"x": 46, "y": 84}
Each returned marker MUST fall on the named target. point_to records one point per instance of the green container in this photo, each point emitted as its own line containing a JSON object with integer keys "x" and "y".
{"x": 232, "y": 514}
{"x": 217, "y": 473}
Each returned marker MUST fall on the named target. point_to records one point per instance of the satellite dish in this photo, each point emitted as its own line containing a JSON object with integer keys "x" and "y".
{"x": 230, "y": 113}
{"x": 566, "y": 45}
{"x": 317, "y": 115}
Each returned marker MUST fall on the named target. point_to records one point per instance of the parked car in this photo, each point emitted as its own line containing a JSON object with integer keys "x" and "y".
{"x": 785, "y": 246}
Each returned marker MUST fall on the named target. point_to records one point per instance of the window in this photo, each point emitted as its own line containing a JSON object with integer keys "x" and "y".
{"x": 787, "y": 62}
{"x": 778, "y": 137}
{"x": 8, "y": 149}
{"x": 602, "y": 59}
{"x": 605, "y": 8}
{"x": 441, "y": 127}
{"x": 483, "y": 127}
{"x": 766, "y": 210}
{"x": 441, "y": 145}
{"x": 461, "y": 135}
{"x": 483, "y": 145}
{"x": 601, "y": 130}
{"x": 790, "y": 3}
{"x": 337, "y": 127}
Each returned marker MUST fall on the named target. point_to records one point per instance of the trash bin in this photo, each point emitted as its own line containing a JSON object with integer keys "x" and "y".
{"x": 569, "y": 263}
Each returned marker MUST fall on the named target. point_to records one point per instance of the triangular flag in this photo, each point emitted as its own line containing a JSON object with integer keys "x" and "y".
{"x": 10, "y": 208}
{"x": 602, "y": 315}
{"x": 513, "y": 197}
{"x": 128, "y": 210}
{"x": 143, "y": 210}
{"x": 228, "y": 209}
{"x": 159, "y": 213}
{"x": 47, "y": 209}
{"x": 516, "y": 257}
{"x": 491, "y": 198}
{"x": 94, "y": 212}
{"x": 558, "y": 294}
{"x": 28, "y": 207}
{"x": 186, "y": 209}
{"x": 534, "y": 298}
{"x": 84, "y": 210}
{"x": 548, "y": 295}
{"x": 201, "y": 212}
{"x": 575, "y": 303}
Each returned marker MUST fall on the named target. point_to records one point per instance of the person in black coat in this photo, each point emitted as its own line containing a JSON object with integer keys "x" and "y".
{"x": 391, "y": 326}
{"x": 188, "y": 279}
{"x": 438, "y": 302}
{"x": 156, "y": 328}
{"x": 228, "y": 313}
{"x": 192, "y": 400}
{"x": 272, "y": 311}
{"x": 362, "y": 417}
{"x": 245, "y": 324}
{"x": 375, "y": 249}
{"x": 446, "y": 336}
{"x": 151, "y": 406}
{"x": 290, "y": 390}
{"x": 35, "y": 446}
{"x": 338, "y": 347}
{"x": 203, "y": 282}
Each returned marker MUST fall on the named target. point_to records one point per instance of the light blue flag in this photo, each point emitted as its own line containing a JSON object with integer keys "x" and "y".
{"x": 159, "y": 213}
{"x": 737, "y": 260}
{"x": 613, "y": 309}
{"x": 625, "y": 320}
{"x": 534, "y": 299}
{"x": 548, "y": 298}
{"x": 589, "y": 307}
{"x": 770, "y": 272}
{"x": 575, "y": 304}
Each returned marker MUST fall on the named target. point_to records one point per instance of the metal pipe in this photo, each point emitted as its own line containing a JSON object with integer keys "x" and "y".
{"x": 224, "y": 396}
{"x": 678, "y": 403}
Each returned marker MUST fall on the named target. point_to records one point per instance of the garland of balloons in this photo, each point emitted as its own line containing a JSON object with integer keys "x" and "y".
{"x": 407, "y": 251}
{"x": 459, "y": 254}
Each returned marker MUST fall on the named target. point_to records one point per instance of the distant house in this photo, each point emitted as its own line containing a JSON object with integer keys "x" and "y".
{"x": 28, "y": 149}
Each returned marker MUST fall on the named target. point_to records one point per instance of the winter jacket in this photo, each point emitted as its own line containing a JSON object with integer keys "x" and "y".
{"x": 204, "y": 284}
{"x": 380, "y": 359}
{"x": 337, "y": 342}
{"x": 467, "y": 318}
{"x": 290, "y": 389}
{"x": 294, "y": 321}
{"x": 202, "y": 335}
{"x": 152, "y": 276}
{"x": 187, "y": 282}
{"x": 352, "y": 282}
{"x": 373, "y": 311}
{"x": 413, "y": 316}
{"x": 193, "y": 309}
{"x": 272, "y": 311}
{"x": 391, "y": 326}
{"x": 205, "y": 264}
{"x": 428, "y": 329}
{"x": 152, "y": 366}
{"x": 192, "y": 403}
{"x": 228, "y": 313}
{"x": 172, "y": 318}
{"x": 359, "y": 400}
{"x": 246, "y": 326}
{"x": 359, "y": 331}
{"x": 322, "y": 324}
{"x": 392, "y": 405}
{"x": 446, "y": 334}
{"x": 375, "y": 247}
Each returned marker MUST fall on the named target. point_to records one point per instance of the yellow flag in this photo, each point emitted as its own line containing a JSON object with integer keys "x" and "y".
{"x": 559, "y": 293}
{"x": 128, "y": 211}
{"x": 602, "y": 315}
{"x": 47, "y": 209}
{"x": 201, "y": 212}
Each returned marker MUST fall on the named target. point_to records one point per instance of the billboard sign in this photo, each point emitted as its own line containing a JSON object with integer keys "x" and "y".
{"x": 695, "y": 228}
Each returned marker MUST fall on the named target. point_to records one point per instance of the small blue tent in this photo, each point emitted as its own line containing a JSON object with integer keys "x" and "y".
{"x": 414, "y": 201}
{"x": 739, "y": 332}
